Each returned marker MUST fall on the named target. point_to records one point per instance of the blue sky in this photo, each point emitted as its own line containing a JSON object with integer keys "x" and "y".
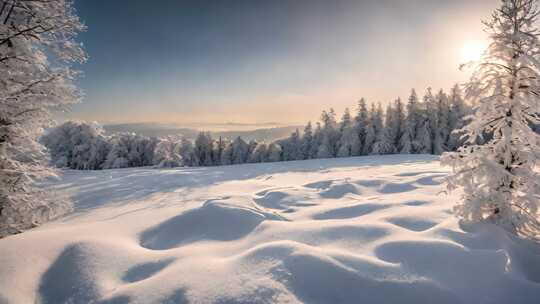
{"x": 265, "y": 61}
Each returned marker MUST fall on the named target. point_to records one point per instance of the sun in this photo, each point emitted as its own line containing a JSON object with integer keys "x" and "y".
{"x": 472, "y": 51}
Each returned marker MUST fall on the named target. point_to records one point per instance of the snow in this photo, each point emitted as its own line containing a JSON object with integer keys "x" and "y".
{"x": 348, "y": 230}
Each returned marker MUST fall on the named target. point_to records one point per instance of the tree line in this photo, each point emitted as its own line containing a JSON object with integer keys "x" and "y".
{"x": 418, "y": 126}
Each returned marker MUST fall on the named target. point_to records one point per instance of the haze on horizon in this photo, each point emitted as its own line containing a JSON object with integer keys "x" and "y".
{"x": 254, "y": 62}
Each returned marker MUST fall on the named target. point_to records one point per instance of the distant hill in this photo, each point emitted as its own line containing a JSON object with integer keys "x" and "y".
{"x": 150, "y": 129}
{"x": 269, "y": 134}
{"x": 160, "y": 130}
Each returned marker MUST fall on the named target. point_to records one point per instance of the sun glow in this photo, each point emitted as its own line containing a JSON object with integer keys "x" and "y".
{"x": 472, "y": 51}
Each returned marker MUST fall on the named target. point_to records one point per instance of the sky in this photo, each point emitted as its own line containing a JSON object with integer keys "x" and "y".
{"x": 256, "y": 62}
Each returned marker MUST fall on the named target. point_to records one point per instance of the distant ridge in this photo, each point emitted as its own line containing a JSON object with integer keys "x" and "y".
{"x": 265, "y": 133}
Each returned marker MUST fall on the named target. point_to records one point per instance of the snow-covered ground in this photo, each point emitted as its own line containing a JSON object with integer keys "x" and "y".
{"x": 356, "y": 230}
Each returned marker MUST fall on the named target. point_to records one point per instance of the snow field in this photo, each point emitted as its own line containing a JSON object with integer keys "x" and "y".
{"x": 354, "y": 230}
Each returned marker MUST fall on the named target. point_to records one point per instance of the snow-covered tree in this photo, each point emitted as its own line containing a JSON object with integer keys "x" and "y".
{"x": 122, "y": 151}
{"x": 259, "y": 155}
{"x": 440, "y": 128}
{"x": 317, "y": 141}
{"x": 330, "y": 135}
{"x": 456, "y": 117}
{"x": 414, "y": 118}
{"x": 227, "y": 155}
{"x": 141, "y": 151}
{"x": 348, "y": 142}
{"x": 430, "y": 107}
{"x": 373, "y": 129}
{"x": 423, "y": 140}
{"x": 77, "y": 145}
{"x": 360, "y": 126}
{"x": 167, "y": 153}
{"x": 204, "y": 146}
{"x": 307, "y": 141}
{"x": 187, "y": 152}
{"x": 240, "y": 151}
{"x": 395, "y": 123}
{"x": 499, "y": 176}
{"x": 217, "y": 152}
{"x": 37, "y": 50}
{"x": 387, "y": 136}
{"x": 118, "y": 156}
{"x": 98, "y": 153}
{"x": 292, "y": 146}
{"x": 252, "y": 145}
{"x": 380, "y": 145}
{"x": 273, "y": 153}
{"x": 130, "y": 150}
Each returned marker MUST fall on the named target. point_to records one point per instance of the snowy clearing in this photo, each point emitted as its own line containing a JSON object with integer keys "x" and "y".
{"x": 354, "y": 230}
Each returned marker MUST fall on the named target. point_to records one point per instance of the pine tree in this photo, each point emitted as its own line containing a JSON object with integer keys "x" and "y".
{"x": 227, "y": 155}
{"x": 348, "y": 143}
{"x": 273, "y": 153}
{"x": 441, "y": 131}
{"x": 307, "y": 141}
{"x": 396, "y": 124}
{"x": 371, "y": 131}
{"x": 381, "y": 145}
{"x": 387, "y": 136}
{"x": 292, "y": 146}
{"x": 408, "y": 141}
{"x": 218, "y": 151}
{"x": 456, "y": 117}
{"x": 497, "y": 167}
{"x": 203, "y": 149}
{"x": 360, "y": 126}
{"x": 259, "y": 154}
{"x": 252, "y": 145}
{"x": 330, "y": 135}
{"x": 240, "y": 150}
{"x": 317, "y": 141}
{"x": 423, "y": 142}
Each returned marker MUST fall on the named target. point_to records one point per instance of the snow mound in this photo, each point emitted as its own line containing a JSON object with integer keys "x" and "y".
{"x": 325, "y": 184}
{"x": 213, "y": 221}
{"x": 460, "y": 269}
{"x": 370, "y": 183}
{"x": 358, "y": 230}
{"x": 430, "y": 180}
{"x": 322, "y": 276}
{"x": 74, "y": 266}
{"x": 416, "y": 203}
{"x": 396, "y": 188}
{"x": 283, "y": 200}
{"x": 349, "y": 212}
{"x": 144, "y": 270}
{"x": 339, "y": 191}
{"x": 333, "y": 189}
{"x": 412, "y": 223}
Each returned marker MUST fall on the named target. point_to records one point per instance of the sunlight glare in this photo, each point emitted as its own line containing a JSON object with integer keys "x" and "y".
{"x": 472, "y": 51}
